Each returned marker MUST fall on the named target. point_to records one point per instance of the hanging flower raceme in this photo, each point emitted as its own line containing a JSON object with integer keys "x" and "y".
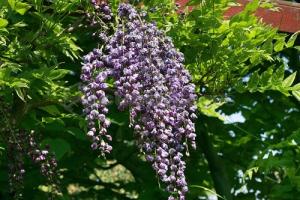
{"x": 19, "y": 144}
{"x": 152, "y": 83}
{"x": 100, "y": 19}
{"x": 94, "y": 75}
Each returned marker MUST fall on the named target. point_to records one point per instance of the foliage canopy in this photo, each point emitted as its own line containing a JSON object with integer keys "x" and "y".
{"x": 239, "y": 65}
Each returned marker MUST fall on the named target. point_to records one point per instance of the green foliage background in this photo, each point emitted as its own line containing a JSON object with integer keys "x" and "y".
{"x": 238, "y": 65}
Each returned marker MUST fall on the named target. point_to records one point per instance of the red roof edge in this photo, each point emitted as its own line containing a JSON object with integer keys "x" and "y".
{"x": 286, "y": 19}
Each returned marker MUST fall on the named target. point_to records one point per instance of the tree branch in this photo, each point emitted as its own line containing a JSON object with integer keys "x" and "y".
{"x": 215, "y": 164}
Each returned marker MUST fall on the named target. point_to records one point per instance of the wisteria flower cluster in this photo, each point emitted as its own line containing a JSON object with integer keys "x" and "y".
{"x": 94, "y": 75}
{"x": 16, "y": 168}
{"x": 100, "y": 19}
{"x": 24, "y": 143}
{"x": 21, "y": 143}
{"x": 46, "y": 161}
{"x": 153, "y": 84}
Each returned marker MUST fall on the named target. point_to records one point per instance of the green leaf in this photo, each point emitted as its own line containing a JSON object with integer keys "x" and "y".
{"x": 78, "y": 133}
{"x": 253, "y": 82}
{"x": 267, "y": 5}
{"x": 252, "y": 6}
{"x": 20, "y": 94}
{"x": 48, "y": 120}
{"x": 296, "y": 94}
{"x": 265, "y": 78}
{"x": 3, "y": 23}
{"x": 12, "y": 3}
{"x": 289, "y": 80}
{"x": 278, "y": 76}
{"x": 59, "y": 146}
{"x": 19, "y": 83}
{"x": 296, "y": 87}
{"x": 279, "y": 45}
{"x": 52, "y": 110}
{"x": 58, "y": 73}
{"x": 18, "y": 6}
{"x": 208, "y": 107}
{"x": 292, "y": 40}
{"x": 20, "y": 24}
{"x": 22, "y": 8}
{"x": 240, "y": 87}
{"x": 209, "y": 190}
{"x": 243, "y": 140}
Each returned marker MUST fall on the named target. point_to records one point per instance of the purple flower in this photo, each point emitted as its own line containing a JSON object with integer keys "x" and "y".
{"x": 151, "y": 81}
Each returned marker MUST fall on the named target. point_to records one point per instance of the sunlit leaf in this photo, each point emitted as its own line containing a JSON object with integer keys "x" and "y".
{"x": 59, "y": 146}
{"x": 3, "y": 23}
{"x": 289, "y": 80}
